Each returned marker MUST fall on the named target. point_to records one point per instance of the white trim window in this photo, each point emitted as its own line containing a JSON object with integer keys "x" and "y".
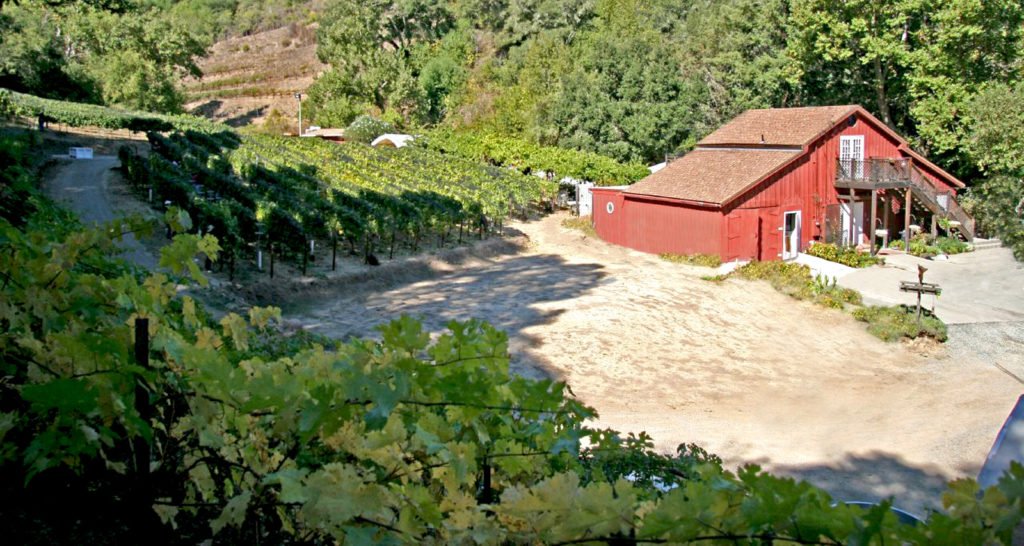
{"x": 851, "y": 156}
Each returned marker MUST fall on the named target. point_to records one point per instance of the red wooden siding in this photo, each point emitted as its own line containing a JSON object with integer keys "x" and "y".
{"x": 608, "y": 224}
{"x": 808, "y": 185}
{"x": 657, "y": 227}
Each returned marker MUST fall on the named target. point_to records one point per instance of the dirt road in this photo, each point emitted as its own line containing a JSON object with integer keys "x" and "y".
{"x": 84, "y": 186}
{"x": 736, "y": 367}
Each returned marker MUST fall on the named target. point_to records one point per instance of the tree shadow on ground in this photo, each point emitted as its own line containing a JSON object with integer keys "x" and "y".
{"x": 207, "y": 109}
{"x": 513, "y": 294}
{"x": 874, "y": 477}
{"x": 247, "y": 118}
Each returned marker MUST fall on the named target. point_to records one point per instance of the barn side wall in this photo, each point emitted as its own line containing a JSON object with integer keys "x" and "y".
{"x": 656, "y": 226}
{"x": 608, "y": 225}
{"x": 659, "y": 227}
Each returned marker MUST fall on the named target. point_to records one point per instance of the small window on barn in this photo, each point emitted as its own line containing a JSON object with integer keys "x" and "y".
{"x": 610, "y": 207}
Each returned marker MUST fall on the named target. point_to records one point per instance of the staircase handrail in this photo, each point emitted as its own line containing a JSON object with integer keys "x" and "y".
{"x": 923, "y": 184}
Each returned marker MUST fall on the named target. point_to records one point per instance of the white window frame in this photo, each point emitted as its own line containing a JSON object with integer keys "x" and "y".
{"x": 853, "y": 146}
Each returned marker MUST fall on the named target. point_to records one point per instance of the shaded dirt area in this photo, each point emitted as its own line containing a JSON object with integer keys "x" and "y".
{"x": 95, "y": 191}
{"x": 735, "y": 366}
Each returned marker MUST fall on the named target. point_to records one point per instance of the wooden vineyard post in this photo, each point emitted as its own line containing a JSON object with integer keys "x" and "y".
{"x": 141, "y": 496}
{"x": 305, "y": 262}
{"x": 485, "y": 489}
{"x": 334, "y": 252}
{"x": 142, "y": 404}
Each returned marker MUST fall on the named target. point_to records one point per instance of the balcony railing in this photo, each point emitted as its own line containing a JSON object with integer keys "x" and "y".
{"x": 893, "y": 173}
{"x": 876, "y": 173}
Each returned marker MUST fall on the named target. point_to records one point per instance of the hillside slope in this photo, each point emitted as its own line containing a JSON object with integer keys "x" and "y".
{"x": 245, "y": 78}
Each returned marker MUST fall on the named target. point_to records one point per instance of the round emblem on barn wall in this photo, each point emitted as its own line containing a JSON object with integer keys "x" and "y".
{"x": 610, "y": 207}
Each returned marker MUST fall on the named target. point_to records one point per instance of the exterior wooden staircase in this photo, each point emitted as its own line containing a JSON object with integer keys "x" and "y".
{"x": 901, "y": 173}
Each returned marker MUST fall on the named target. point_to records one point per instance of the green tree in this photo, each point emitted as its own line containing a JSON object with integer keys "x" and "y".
{"x": 369, "y": 46}
{"x": 855, "y": 51}
{"x": 132, "y": 59}
{"x": 734, "y": 56}
{"x": 961, "y": 46}
{"x": 994, "y": 142}
{"x": 915, "y": 63}
{"x": 624, "y": 98}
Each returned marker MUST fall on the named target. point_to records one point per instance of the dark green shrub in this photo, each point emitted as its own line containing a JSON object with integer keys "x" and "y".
{"x": 925, "y": 247}
{"x": 949, "y": 245}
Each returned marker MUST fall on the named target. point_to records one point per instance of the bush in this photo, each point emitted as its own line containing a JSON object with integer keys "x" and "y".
{"x": 923, "y": 246}
{"x": 702, "y": 260}
{"x": 365, "y": 128}
{"x": 529, "y": 157}
{"x": 795, "y": 280}
{"x": 847, "y": 256}
{"x": 949, "y": 245}
{"x": 893, "y": 323}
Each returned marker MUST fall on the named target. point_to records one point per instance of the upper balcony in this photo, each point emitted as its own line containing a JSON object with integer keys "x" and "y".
{"x": 876, "y": 173}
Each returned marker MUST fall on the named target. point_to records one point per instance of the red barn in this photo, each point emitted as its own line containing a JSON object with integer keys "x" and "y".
{"x": 768, "y": 183}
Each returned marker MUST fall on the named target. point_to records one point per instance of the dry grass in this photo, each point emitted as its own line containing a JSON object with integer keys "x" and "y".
{"x": 702, "y": 260}
{"x": 250, "y": 76}
{"x": 583, "y": 224}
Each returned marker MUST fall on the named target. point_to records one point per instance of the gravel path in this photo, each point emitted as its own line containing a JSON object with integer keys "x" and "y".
{"x": 84, "y": 186}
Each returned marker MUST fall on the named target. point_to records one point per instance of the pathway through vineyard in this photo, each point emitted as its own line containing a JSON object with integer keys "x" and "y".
{"x": 745, "y": 372}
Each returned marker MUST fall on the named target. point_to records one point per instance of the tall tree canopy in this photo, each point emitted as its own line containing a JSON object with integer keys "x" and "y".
{"x": 134, "y": 59}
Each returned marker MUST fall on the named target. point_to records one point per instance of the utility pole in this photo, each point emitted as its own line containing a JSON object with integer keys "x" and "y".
{"x": 298, "y": 96}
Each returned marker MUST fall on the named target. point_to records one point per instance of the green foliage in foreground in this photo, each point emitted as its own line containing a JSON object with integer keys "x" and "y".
{"x": 527, "y": 157}
{"x": 796, "y": 281}
{"x": 702, "y": 260}
{"x": 230, "y": 435}
{"x": 847, "y": 256}
{"x": 900, "y": 321}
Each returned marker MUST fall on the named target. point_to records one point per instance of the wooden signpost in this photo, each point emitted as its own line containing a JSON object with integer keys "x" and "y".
{"x": 920, "y": 287}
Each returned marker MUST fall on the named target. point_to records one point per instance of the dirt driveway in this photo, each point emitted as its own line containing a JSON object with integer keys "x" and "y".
{"x": 735, "y": 367}
{"x": 84, "y": 186}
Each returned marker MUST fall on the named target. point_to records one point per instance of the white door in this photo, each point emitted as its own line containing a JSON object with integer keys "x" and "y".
{"x": 791, "y": 235}
{"x": 851, "y": 156}
{"x": 854, "y": 219}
